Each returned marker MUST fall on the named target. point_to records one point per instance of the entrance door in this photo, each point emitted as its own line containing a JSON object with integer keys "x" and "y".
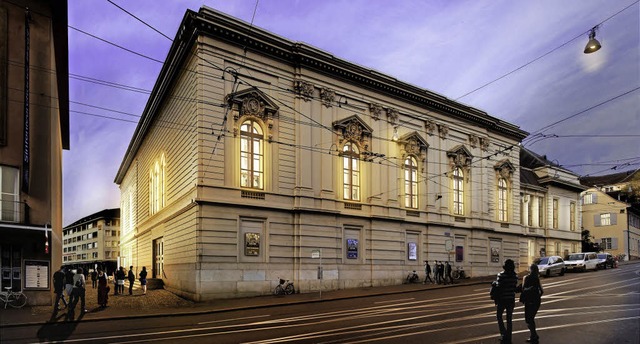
{"x": 158, "y": 258}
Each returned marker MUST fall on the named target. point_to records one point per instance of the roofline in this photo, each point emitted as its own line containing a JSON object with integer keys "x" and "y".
{"x": 223, "y": 27}
{"x": 105, "y": 213}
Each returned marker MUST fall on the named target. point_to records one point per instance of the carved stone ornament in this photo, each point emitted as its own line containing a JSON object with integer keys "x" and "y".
{"x": 354, "y": 129}
{"x": 393, "y": 115}
{"x": 353, "y": 132}
{"x": 443, "y": 130}
{"x": 430, "y": 126}
{"x": 412, "y": 146}
{"x": 460, "y": 157}
{"x": 376, "y": 110}
{"x": 327, "y": 96}
{"x": 504, "y": 169}
{"x": 473, "y": 140}
{"x": 484, "y": 143}
{"x": 303, "y": 89}
{"x": 253, "y": 106}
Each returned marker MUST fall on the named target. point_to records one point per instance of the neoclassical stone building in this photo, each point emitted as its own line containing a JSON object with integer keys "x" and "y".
{"x": 255, "y": 155}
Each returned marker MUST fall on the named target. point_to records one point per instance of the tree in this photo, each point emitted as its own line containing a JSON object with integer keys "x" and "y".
{"x": 587, "y": 244}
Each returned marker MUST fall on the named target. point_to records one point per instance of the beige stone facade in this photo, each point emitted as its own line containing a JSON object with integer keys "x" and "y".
{"x": 256, "y": 154}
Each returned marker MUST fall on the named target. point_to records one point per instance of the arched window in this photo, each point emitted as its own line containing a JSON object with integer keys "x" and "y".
{"x": 458, "y": 191}
{"x": 163, "y": 175}
{"x": 351, "y": 171}
{"x": 157, "y": 175}
{"x": 410, "y": 183}
{"x": 251, "y": 155}
{"x": 502, "y": 200}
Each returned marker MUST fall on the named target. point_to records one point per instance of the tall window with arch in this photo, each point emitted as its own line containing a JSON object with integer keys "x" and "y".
{"x": 458, "y": 191}
{"x": 351, "y": 171}
{"x": 502, "y": 200}
{"x": 410, "y": 182}
{"x": 157, "y": 176}
{"x": 251, "y": 155}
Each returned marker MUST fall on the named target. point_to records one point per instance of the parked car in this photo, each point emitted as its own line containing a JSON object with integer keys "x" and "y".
{"x": 550, "y": 265}
{"x": 606, "y": 259}
{"x": 581, "y": 261}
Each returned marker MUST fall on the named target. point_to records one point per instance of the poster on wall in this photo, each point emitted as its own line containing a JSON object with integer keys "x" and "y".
{"x": 251, "y": 244}
{"x": 413, "y": 251}
{"x": 36, "y": 274}
{"x": 495, "y": 254}
{"x": 459, "y": 253}
{"x": 352, "y": 248}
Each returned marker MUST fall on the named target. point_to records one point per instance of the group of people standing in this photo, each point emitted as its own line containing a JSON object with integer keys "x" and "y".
{"x": 441, "y": 273}
{"x": 74, "y": 285}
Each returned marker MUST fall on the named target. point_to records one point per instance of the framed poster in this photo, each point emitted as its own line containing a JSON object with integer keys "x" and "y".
{"x": 352, "y": 248}
{"x": 36, "y": 274}
{"x": 459, "y": 254}
{"x": 495, "y": 254}
{"x": 251, "y": 244}
{"x": 412, "y": 251}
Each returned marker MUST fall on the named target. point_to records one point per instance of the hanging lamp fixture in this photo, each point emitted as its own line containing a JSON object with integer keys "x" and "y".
{"x": 593, "y": 45}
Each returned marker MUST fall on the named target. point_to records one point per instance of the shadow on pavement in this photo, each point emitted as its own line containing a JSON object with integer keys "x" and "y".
{"x": 57, "y": 329}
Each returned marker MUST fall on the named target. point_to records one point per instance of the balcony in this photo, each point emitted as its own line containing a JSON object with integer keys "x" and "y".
{"x": 12, "y": 211}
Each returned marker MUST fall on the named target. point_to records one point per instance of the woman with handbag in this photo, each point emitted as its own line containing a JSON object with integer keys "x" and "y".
{"x": 531, "y": 297}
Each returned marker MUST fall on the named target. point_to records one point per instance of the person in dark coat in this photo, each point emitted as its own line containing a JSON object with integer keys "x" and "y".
{"x": 58, "y": 288}
{"x": 427, "y": 272}
{"x": 78, "y": 294}
{"x": 143, "y": 280}
{"x": 131, "y": 277}
{"x": 120, "y": 276}
{"x": 506, "y": 283}
{"x": 103, "y": 288}
{"x": 68, "y": 283}
{"x": 447, "y": 272}
{"x": 531, "y": 294}
{"x": 94, "y": 279}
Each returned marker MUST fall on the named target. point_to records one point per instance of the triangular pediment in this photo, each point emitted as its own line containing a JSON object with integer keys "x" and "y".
{"x": 252, "y": 101}
{"x": 414, "y": 136}
{"x": 504, "y": 164}
{"x": 350, "y": 121}
{"x": 460, "y": 150}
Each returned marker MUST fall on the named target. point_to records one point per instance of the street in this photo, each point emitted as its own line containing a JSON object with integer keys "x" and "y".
{"x": 592, "y": 307}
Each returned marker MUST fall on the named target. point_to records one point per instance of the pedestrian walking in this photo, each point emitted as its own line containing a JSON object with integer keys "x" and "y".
{"x": 78, "y": 294}
{"x": 441, "y": 272}
{"x": 447, "y": 271}
{"x": 435, "y": 271}
{"x": 531, "y": 293}
{"x": 506, "y": 299}
{"x": 103, "y": 288}
{"x": 427, "y": 272}
{"x": 68, "y": 283}
{"x": 58, "y": 288}
{"x": 94, "y": 278}
{"x": 120, "y": 275}
{"x": 143, "y": 280}
{"x": 131, "y": 277}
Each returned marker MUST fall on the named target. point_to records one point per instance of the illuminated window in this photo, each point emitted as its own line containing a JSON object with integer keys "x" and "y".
{"x": 605, "y": 219}
{"x": 251, "y": 155}
{"x": 351, "y": 171}
{"x": 458, "y": 191}
{"x": 502, "y": 200}
{"x": 157, "y": 178}
{"x": 572, "y": 216}
{"x": 410, "y": 183}
{"x": 10, "y": 194}
{"x": 555, "y": 213}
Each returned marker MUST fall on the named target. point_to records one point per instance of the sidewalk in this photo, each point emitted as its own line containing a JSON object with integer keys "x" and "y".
{"x": 157, "y": 303}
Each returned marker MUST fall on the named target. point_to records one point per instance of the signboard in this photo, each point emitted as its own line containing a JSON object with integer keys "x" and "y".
{"x": 495, "y": 254}
{"x": 352, "y": 248}
{"x": 448, "y": 245}
{"x": 315, "y": 254}
{"x": 413, "y": 251}
{"x": 459, "y": 253}
{"x": 251, "y": 244}
{"x": 36, "y": 274}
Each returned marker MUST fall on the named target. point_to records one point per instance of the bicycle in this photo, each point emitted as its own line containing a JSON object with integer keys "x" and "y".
{"x": 284, "y": 288}
{"x": 13, "y": 299}
{"x": 459, "y": 273}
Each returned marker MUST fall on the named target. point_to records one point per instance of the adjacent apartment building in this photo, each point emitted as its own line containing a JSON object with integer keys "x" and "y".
{"x": 93, "y": 242}
{"x": 550, "y": 207}
{"x": 257, "y": 155}
{"x": 34, "y": 130}
{"x": 611, "y": 212}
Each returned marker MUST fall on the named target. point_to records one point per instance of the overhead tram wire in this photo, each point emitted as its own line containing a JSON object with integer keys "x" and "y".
{"x": 545, "y": 54}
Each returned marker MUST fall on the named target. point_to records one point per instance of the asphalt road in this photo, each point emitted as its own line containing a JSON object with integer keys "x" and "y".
{"x": 592, "y": 307}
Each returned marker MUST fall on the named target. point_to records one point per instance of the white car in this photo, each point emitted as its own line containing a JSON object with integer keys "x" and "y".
{"x": 550, "y": 265}
{"x": 581, "y": 261}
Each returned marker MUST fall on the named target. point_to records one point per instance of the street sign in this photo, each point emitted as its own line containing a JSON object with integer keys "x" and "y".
{"x": 315, "y": 254}
{"x": 448, "y": 245}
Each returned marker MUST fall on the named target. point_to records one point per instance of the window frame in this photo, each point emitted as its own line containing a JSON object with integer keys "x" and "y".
{"x": 556, "y": 206}
{"x": 351, "y": 172}
{"x": 13, "y": 212}
{"x": 572, "y": 216}
{"x": 458, "y": 191}
{"x": 411, "y": 182}
{"x": 249, "y": 158}
{"x": 503, "y": 200}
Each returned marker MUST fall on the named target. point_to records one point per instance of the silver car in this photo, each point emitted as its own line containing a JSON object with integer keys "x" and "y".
{"x": 550, "y": 265}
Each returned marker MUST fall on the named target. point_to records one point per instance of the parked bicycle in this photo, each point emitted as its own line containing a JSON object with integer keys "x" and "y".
{"x": 412, "y": 277}
{"x": 13, "y": 299}
{"x": 459, "y": 273}
{"x": 284, "y": 288}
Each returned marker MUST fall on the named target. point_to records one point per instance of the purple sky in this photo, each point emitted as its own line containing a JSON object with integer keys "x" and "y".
{"x": 448, "y": 47}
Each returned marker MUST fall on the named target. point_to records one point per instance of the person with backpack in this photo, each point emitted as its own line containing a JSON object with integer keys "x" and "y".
{"x": 531, "y": 294}
{"x": 78, "y": 293}
{"x": 504, "y": 290}
{"x": 58, "y": 288}
{"x": 68, "y": 283}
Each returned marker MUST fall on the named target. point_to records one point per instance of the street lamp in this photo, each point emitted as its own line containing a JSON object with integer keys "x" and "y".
{"x": 593, "y": 45}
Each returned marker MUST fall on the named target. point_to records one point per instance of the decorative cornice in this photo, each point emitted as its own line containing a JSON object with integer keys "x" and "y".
{"x": 303, "y": 89}
{"x": 376, "y": 110}
{"x": 327, "y": 96}
{"x": 392, "y": 115}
